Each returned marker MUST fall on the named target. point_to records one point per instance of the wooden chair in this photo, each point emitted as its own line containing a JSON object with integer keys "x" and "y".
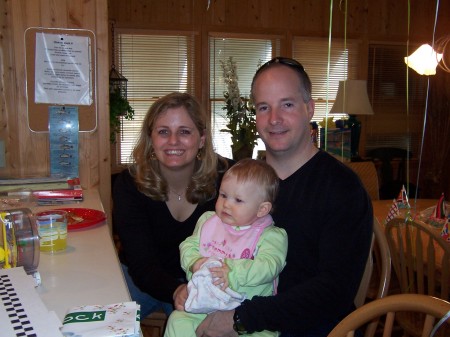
{"x": 367, "y": 172}
{"x": 388, "y": 307}
{"x": 421, "y": 261}
{"x": 377, "y": 273}
{"x": 154, "y": 324}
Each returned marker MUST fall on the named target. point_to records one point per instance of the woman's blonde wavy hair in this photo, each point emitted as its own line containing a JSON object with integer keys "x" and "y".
{"x": 146, "y": 171}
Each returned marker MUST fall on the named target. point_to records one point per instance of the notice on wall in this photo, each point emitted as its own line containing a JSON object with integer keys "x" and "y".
{"x": 63, "y": 69}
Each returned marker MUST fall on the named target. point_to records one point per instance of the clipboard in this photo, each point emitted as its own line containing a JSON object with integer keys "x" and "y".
{"x": 38, "y": 112}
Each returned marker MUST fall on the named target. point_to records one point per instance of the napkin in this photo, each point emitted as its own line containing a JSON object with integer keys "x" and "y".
{"x": 205, "y": 297}
{"x": 111, "y": 320}
{"x": 393, "y": 212}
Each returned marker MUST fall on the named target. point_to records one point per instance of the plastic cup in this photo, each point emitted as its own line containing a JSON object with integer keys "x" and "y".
{"x": 52, "y": 229}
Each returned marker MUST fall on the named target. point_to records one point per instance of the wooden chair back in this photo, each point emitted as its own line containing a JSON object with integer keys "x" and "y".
{"x": 386, "y": 309}
{"x": 367, "y": 172}
{"x": 420, "y": 257}
{"x": 377, "y": 272}
{"x": 421, "y": 262}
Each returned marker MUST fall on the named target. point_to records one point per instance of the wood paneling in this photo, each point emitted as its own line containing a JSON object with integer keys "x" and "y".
{"x": 383, "y": 21}
{"x": 27, "y": 152}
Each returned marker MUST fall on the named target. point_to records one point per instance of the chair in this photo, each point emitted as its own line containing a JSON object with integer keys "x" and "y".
{"x": 368, "y": 174}
{"x": 388, "y": 307}
{"x": 154, "y": 324}
{"x": 378, "y": 265}
{"x": 421, "y": 261}
{"x": 380, "y": 275}
{"x": 391, "y": 184}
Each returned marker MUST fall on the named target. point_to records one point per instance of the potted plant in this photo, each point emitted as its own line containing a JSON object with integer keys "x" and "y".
{"x": 240, "y": 114}
{"x": 118, "y": 107}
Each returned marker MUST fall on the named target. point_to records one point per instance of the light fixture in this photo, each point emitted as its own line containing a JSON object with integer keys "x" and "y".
{"x": 352, "y": 99}
{"x": 424, "y": 60}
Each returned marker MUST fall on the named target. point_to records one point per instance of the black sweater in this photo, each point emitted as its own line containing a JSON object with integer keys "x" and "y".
{"x": 150, "y": 237}
{"x": 327, "y": 215}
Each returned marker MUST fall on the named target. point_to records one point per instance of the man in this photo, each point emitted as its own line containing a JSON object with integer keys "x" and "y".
{"x": 321, "y": 204}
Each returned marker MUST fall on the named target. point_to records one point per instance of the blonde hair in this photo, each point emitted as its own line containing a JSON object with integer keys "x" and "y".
{"x": 257, "y": 172}
{"x": 145, "y": 169}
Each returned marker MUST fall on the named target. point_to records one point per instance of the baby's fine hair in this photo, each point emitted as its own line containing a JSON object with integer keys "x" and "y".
{"x": 257, "y": 172}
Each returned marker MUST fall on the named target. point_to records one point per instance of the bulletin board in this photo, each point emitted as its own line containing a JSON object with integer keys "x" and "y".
{"x": 60, "y": 71}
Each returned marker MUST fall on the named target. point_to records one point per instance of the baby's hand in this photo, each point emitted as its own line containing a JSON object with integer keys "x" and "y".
{"x": 196, "y": 266}
{"x": 220, "y": 275}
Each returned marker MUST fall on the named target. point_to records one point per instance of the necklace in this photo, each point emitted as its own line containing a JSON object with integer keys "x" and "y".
{"x": 177, "y": 194}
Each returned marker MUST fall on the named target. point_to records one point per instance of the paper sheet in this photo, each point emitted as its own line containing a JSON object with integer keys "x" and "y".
{"x": 21, "y": 308}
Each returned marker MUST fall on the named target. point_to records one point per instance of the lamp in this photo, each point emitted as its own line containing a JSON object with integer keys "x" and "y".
{"x": 352, "y": 99}
{"x": 424, "y": 60}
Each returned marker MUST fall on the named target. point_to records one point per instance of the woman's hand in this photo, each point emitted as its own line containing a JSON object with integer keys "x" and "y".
{"x": 180, "y": 296}
{"x": 220, "y": 275}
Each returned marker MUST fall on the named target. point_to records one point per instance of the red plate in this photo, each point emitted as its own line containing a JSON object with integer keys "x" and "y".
{"x": 83, "y": 217}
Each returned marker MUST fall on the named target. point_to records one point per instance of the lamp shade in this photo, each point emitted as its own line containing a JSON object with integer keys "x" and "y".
{"x": 424, "y": 60}
{"x": 352, "y": 98}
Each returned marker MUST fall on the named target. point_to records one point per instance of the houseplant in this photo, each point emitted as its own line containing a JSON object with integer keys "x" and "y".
{"x": 118, "y": 107}
{"x": 240, "y": 114}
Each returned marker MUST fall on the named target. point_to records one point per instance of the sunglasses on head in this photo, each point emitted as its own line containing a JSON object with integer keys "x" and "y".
{"x": 283, "y": 60}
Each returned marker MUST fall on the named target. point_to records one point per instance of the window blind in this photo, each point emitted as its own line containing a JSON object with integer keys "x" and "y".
{"x": 387, "y": 85}
{"x": 312, "y": 53}
{"x": 248, "y": 54}
{"x": 154, "y": 65}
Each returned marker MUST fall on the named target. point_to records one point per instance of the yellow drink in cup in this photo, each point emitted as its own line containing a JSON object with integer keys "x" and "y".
{"x": 52, "y": 229}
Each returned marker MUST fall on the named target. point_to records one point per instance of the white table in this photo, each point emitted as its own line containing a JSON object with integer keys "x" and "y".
{"x": 87, "y": 272}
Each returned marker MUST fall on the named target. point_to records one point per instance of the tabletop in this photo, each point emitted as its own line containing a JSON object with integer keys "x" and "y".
{"x": 88, "y": 272}
{"x": 381, "y": 207}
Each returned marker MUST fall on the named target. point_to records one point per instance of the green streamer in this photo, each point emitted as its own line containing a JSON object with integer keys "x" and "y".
{"x": 325, "y": 136}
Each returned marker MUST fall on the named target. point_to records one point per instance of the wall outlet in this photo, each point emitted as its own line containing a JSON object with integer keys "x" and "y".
{"x": 2, "y": 154}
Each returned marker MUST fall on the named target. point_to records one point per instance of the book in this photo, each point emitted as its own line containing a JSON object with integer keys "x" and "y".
{"x": 68, "y": 190}
{"x": 73, "y": 191}
{"x": 34, "y": 184}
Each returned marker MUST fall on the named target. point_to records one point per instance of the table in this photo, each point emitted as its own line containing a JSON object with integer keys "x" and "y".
{"x": 381, "y": 207}
{"x": 87, "y": 272}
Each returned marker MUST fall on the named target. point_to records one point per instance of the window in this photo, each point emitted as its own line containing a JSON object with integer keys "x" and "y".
{"x": 312, "y": 53}
{"x": 247, "y": 53}
{"x": 154, "y": 65}
{"x": 388, "y": 91}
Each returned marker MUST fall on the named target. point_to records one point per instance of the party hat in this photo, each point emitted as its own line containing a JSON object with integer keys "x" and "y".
{"x": 393, "y": 212}
{"x": 402, "y": 199}
{"x": 440, "y": 212}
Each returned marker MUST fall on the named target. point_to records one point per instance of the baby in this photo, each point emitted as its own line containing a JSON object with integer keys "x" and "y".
{"x": 235, "y": 252}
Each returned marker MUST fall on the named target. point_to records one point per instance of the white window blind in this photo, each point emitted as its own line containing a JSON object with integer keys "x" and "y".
{"x": 387, "y": 85}
{"x": 312, "y": 53}
{"x": 247, "y": 53}
{"x": 154, "y": 65}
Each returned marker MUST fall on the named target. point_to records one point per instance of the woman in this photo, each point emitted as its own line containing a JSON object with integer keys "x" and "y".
{"x": 158, "y": 200}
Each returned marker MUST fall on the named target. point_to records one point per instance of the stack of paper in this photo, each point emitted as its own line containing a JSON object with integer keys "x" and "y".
{"x": 22, "y": 312}
{"x": 72, "y": 193}
{"x": 112, "y": 320}
{"x": 44, "y": 191}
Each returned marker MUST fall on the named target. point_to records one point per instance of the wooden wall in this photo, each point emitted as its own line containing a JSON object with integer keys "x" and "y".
{"x": 27, "y": 152}
{"x": 371, "y": 21}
